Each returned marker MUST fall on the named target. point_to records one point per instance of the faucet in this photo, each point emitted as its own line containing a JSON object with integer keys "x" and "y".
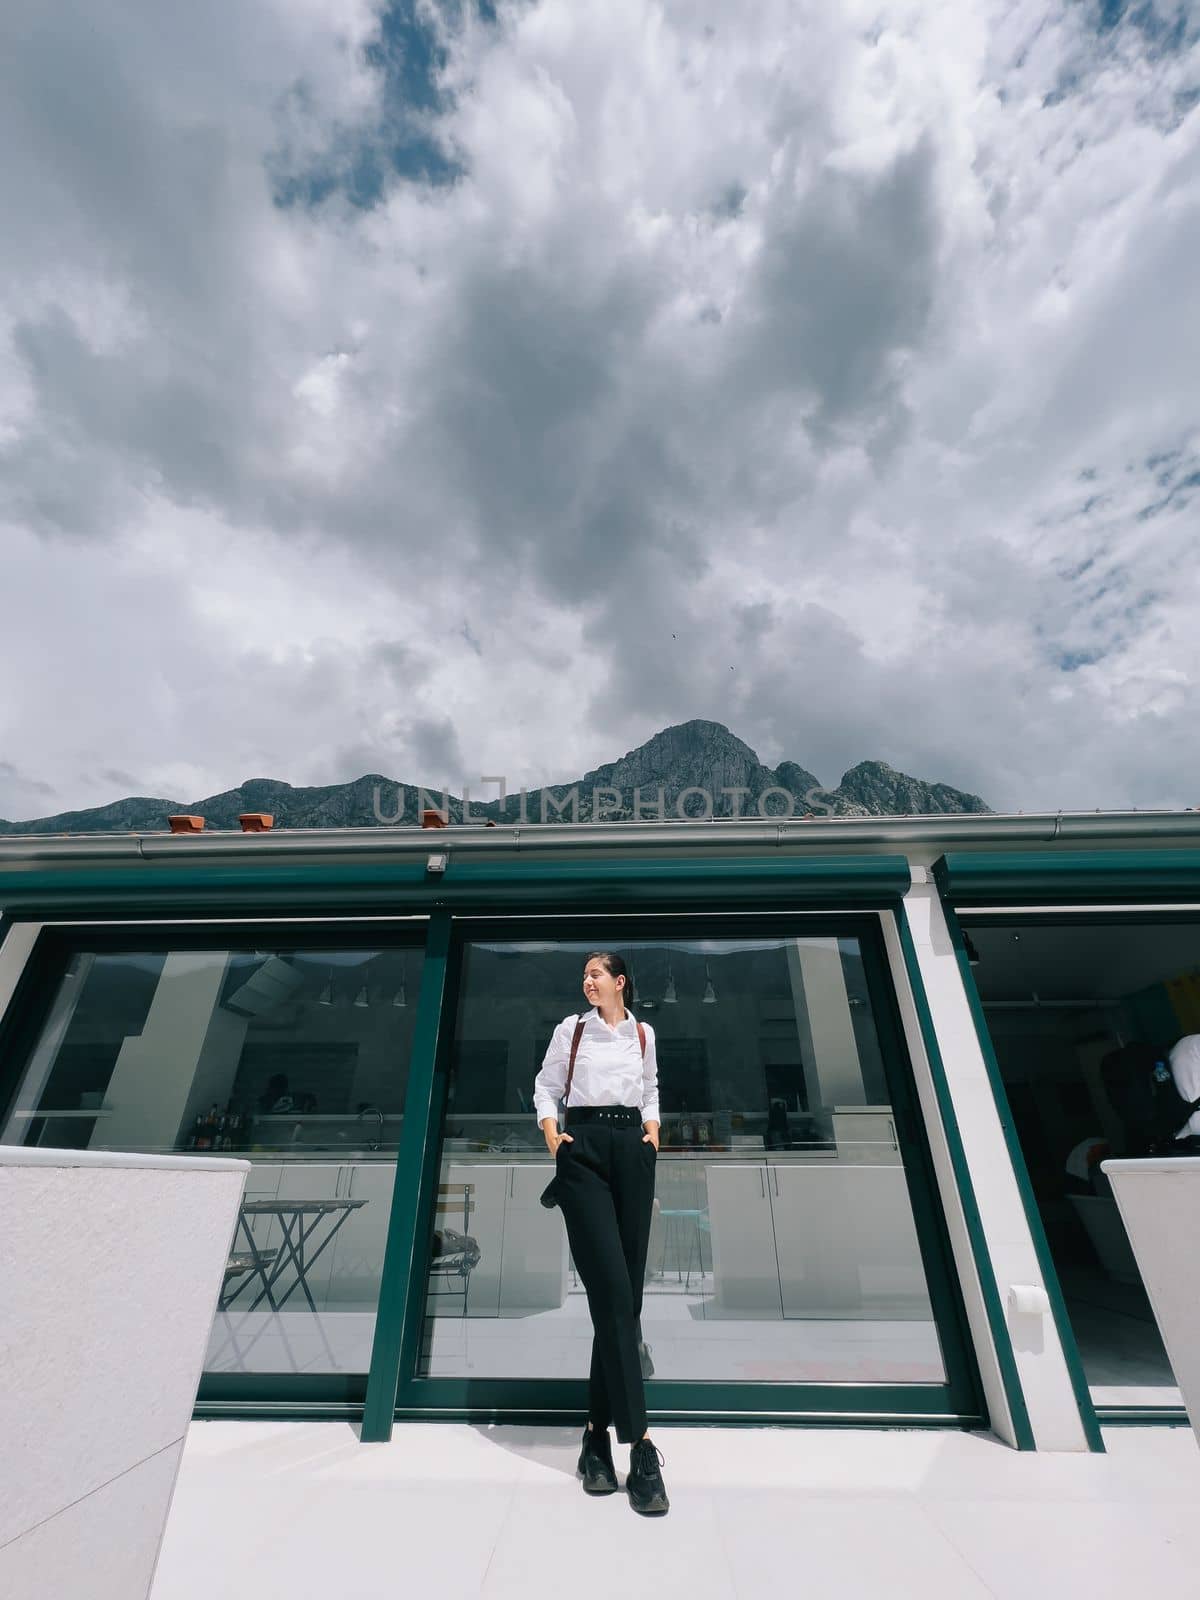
{"x": 372, "y": 1111}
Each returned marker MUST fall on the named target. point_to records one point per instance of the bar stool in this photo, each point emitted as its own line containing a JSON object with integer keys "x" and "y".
{"x": 694, "y": 1218}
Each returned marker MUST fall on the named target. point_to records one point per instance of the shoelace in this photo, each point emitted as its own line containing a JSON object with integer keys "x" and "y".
{"x": 647, "y": 1448}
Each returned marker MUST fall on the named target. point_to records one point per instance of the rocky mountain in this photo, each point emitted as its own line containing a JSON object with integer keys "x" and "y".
{"x": 699, "y": 756}
{"x": 882, "y": 791}
{"x": 683, "y": 771}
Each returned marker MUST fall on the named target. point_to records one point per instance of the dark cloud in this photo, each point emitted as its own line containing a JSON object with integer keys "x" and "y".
{"x": 16, "y": 779}
{"x": 846, "y": 281}
{"x": 22, "y": 795}
{"x": 399, "y": 664}
{"x": 432, "y": 745}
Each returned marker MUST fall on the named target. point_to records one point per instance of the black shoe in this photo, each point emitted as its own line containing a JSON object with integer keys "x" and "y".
{"x": 596, "y": 1462}
{"x": 647, "y": 1492}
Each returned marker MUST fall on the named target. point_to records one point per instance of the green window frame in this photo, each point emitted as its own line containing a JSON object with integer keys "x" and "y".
{"x": 396, "y": 1392}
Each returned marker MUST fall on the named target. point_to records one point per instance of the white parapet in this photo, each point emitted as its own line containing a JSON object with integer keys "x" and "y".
{"x": 110, "y": 1268}
{"x": 1159, "y": 1201}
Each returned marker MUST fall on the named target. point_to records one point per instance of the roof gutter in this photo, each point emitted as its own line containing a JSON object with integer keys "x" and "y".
{"x": 941, "y": 832}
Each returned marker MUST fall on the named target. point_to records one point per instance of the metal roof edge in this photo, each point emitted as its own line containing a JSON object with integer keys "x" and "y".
{"x": 943, "y": 831}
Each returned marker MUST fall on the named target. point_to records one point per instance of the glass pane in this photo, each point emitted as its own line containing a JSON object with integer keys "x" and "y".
{"x": 782, "y": 1243}
{"x": 296, "y": 1060}
{"x": 1093, "y": 1026}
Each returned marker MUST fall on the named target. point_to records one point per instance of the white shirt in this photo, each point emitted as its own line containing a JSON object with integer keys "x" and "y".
{"x": 1185, "y": 1069}
{"x": 609, "y": 1069}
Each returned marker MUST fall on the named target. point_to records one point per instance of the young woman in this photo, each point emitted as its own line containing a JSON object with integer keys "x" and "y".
{"x": 604, "y": 1162}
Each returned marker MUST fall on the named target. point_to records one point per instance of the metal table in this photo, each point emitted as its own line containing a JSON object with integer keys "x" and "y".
{"x": 299, "y": 1221}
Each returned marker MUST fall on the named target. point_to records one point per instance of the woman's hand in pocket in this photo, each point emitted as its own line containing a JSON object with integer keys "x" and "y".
{"x": 558, "y": 1139}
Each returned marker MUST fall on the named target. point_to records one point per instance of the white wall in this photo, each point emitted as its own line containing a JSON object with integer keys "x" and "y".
{"x": 1041, "y": 1364}
{"x": 819, "y": 993}
{"x": 184, "y": 1058}
{"x": 110, "y": 1267}
{"x": 1159, "y": 1201}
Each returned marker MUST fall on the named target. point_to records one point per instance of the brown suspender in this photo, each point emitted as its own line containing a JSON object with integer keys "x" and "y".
{"x": 641, "y": 1032}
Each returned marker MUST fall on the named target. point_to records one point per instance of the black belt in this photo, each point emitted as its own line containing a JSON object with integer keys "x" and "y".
{"x": 622, "y": 1116}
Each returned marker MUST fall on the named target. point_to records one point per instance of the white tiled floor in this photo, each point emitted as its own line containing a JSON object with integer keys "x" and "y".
{"x": 449, "y": 1509}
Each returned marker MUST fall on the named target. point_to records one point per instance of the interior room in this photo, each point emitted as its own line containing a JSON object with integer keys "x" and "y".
{"x": 1059, "y": 999}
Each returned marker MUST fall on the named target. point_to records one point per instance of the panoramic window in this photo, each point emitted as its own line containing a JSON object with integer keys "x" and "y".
{"x": 782, "y": 1244}
{"x": 294, "y": 1059}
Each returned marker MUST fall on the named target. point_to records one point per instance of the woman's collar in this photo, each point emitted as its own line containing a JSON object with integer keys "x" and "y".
{"x": 628, "y": 1017}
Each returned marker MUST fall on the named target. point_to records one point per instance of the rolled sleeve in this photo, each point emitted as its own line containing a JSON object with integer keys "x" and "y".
{"x": 650, "y": 1078}
{"x": 550, "y": 1082}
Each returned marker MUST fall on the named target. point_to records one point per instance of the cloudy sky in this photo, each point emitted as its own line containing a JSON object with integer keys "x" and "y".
{"x": 446, "y": 389}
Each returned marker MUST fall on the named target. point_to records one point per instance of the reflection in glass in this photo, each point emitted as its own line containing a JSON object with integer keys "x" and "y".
{"x": 296, "y": 1060}
{"x": 782, "y": 1246}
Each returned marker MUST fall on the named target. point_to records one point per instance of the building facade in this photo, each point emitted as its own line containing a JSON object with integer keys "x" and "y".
{"x": 885, "y": 1055}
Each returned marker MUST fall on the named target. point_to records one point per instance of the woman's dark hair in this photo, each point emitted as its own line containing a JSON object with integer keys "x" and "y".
{"x": 614, "y": 965}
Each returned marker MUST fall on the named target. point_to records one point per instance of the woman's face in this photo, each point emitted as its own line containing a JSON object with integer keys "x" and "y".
{"x": 599, "y": 985}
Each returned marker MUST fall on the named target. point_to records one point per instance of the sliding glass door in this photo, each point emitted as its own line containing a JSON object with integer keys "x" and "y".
{"x": 796, "y": 1259}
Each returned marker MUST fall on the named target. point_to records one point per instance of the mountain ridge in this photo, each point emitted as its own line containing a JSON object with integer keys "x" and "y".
{"x": 695, "y": 765}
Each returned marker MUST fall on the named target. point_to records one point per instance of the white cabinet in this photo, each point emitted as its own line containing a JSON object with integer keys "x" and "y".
{"x": 846, "y": 1241}
{"x": 486, "y": 1227}
{"x": 892, "y": 1272}
{"x": 523, "y": 1247}
{"x": 812, "y": 1277}
{"x": 534, "y": 1269}
{"x": 866, "y": 1135}
{"x": 815, "y": 1239}
{"x": 745, "y": 1268}
{"x": 357, "y": 1249}
{"x": 262, "y": 1181}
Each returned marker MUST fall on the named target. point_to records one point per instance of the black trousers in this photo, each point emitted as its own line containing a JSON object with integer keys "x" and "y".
{"x": 606, "y": 1193}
